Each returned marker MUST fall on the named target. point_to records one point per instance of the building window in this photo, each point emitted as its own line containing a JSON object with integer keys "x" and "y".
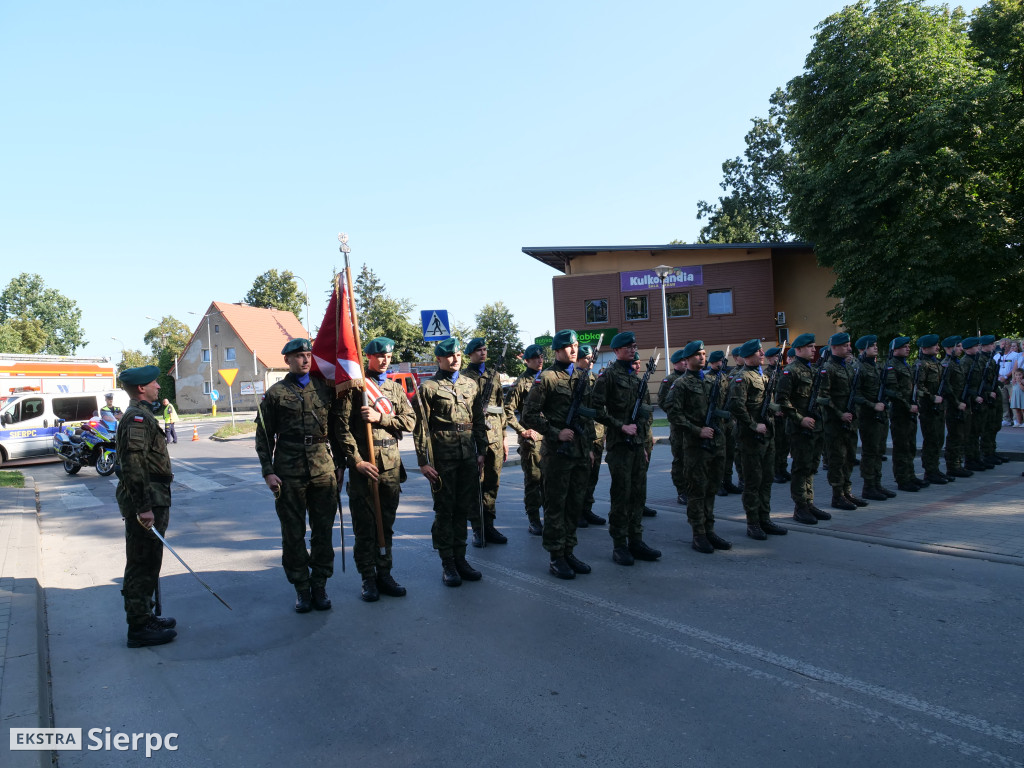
{"x": 720, "y": 302}
{"x": 597, "y": 310}
{"x": 229, "y": 353}
{"x": 206, "y": 387}
{"x": 636, "y": 307}
{"x": 206, "y": 355}
{"x": 783, "y": 336}
{"x": 216, "y": 327}
{"x": 678, "y": 304}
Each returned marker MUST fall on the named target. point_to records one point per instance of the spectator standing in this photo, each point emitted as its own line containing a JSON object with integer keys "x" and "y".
{"x": 1017, "y": 397}
{"x": 1009, "y": 360}
{"x": 170, "y": 419}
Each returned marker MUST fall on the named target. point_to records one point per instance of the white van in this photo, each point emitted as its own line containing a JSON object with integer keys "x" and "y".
{"x": 28, "y": 420}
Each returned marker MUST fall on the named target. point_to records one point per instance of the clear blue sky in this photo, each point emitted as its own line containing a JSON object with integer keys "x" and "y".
{"x": 157, "y": 156}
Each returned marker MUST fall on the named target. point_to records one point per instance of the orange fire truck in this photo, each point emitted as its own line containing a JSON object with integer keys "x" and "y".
{"x": 54, "y": 374}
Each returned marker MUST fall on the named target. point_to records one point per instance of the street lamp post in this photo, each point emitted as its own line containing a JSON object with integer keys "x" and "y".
{"x": 662, "y": 272}
{"x": 306, "y": 289}
{"x": 209, "y": 346}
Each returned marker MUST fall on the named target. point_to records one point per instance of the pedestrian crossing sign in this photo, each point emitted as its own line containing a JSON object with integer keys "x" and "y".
{"x": 435, "y": 324}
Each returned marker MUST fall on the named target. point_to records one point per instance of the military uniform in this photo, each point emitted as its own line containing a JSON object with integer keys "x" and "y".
{"x": 993, "y": 406}
{"x": 351, "y": 434}
{"x": 565, "y": 464}
{"x": 931, "y": 414}
{"x": 615, "y": 394}
{"x": 747, "y": 392}
{"x": 588, "y": 517}
{"x": 899, "y": 386}
{"x": 794, "y": 395}
{"x": 974, "y": 365}
{"x": 957, "y": 420}
{"x": 782, "y": 474}
{"x": 294, "y": 442}
{"x": 450, "y": 433}
{"x": 529, "y": 450}
{"x": 144, "y": 485}
{"x": 494, "y": 457}
{"x": 874, "y": 423}
{"x": 841, "y": 436}
{"x": 675, "y": 437}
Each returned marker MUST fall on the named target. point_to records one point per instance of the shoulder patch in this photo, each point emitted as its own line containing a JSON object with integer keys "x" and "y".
{"x": 785, "y": 373}
{"x": 738, "y": 379}
{"x": 140, "y": 418}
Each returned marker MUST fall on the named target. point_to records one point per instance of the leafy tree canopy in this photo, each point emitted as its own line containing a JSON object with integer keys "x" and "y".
{"x": 33, "y": 309}
{"x": 496, "y": 324}
{"x": 276, "y": 291}
{"x": 380, "y": 314}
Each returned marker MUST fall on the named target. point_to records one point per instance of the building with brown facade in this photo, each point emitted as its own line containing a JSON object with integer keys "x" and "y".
{"x": 722, "y": 294}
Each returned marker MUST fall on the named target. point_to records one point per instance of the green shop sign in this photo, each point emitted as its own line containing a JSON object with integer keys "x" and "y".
{"x": 585, "y": 337}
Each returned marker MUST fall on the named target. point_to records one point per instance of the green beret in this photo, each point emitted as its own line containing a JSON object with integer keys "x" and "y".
{"x": 447, "y": 347}
{"x": 585, "y": 350}
{"x": 772, "y": 351}
{"x": 791, "y": 352}
{"x": 382, "y": 345}
{"x": 839, "y": 338}
{"x": 899, "y": 341}
{"x": 475, "y": 344}
{"x": 750, "y": 348}
{"x": 139, "y": 376}
{"x": 623, "y": 339}
{"x": 988, "y": 339}
{"x": 928, "y": 340}
{"x": 803, "y": 340}
{"x": 866, "y": 341}
{"x": 970, "y": 342}
{"x": 736, "y": 351}
{"x": 636, "y": 357}
{"x": 715, "y": 356}
{"x": 297, "y": 345}
{"x": 563, "y": 339}
{"x": 950, "y": 341}
{"x": 532, "y": 351}
{"x": 689, "y": 350}
{"x": 678, "y": 356}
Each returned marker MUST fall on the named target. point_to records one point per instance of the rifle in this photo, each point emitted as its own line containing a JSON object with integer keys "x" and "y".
{"x": 711, "y": 419}
{"x": 850, "y": 401}
{"x": 812, "y": 401}
{"x": 880, "y": 397}
{"x": 641, "y": 394}
{"x": 967, "y": 384}
{"x": 943, "y": 381}
{"x": 984, "y": 391}
{"x": 773, "y": 381}
{"x": 913, "y": 392}
{"x": 576, "y": 409}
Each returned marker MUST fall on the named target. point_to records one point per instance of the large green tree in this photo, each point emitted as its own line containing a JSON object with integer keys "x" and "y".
{"x": 278, "y": 291}
{"x": 26, "y": 299}
{"x": 22, "y": 335}
{"x": 890, "y": 177}
{"x": 496, "y": 324}
{"x": 755, "y": 208}
{"x": 167, "y": 339}
{"x": 380, "y": 314}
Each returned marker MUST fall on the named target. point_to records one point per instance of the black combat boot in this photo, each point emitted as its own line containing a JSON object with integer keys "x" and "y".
{"x": 839, "y": 501}
{"x": 593, "y": 519}
{"x": 975, "y": 466}
{"x": 802, "y": 514}
{"x": 561, "y": 569}
{"x": 150, "y": 633}
{"x": 958, "y": 471}
{"x": 820, "y": 514}
{"x": 681, "y": 498}
{"x": 387, "y": 585}
{"x": 729, "y": 487}
{"x": 320, "y": 599}
{"x": 494, "y": 536}
{"x": 582, "y": 522}
{"x": 370, "y": 593}
{"x": 641, "y": 551}
{"x": 164, "y": 622}
{"x": 771, "y": 528}
{"x": 648, "y": 512}
{"x": 886, "y": 491}
{"x": 478, "y": 539}
{"x": 856, "y": 501}
{"x": 722, "y": 491}
{"x": 718, "y": 542}
{"x": 466, "y": 571}
{"x": 908, "y": 486}
{"x": 702, "y": 545}
{"x": 936, "y": 478}
{"x": 757, "y": 532}
{"x": 536, "y": 527}
{"x": 869, "y": 491}
{"x": 780, "y": 478}
{"x": 576, "y": 564}
{"x": 303, "y": 600}
{"x": 449, "y": 573}
{"x": 622, "y": 556}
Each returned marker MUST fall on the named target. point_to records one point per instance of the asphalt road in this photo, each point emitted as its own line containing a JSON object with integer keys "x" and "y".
{"x": 804, "y": 650}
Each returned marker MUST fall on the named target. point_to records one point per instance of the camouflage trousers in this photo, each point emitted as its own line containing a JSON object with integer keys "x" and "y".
{"x": 143, "y": 556}
{"x": 972, "y": 446}
{"x": 677, "y": 443}
{"x": 595, "y": 474}
{"x": 841, "y": 447}
{"x": 758, "y": 460}
{"x": 958, "y": 423}
{"x": 781, "y": 448}
{"x": 318, "y": 496}
{"x": 628, "y": 466}
{"x": 493, "y": 461}
{"x": 533, "y": 488}
{"x": 874, "y": 428}
{"x": 904, "y": 445}
{"x": 702, "y": 476}
{"x": 565, "y": 489}
{"x": 730, "y": 452}
{"x": 454, "y": 503}
{"x": 933, "y": 430}
{"x": 993, "y": 423}
{"x": 806, "y": 451}
{"x": 365, "y": 552}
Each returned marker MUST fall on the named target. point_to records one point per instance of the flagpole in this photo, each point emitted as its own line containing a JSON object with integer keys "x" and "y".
{"x": 374, "y": 488}
{"x": 337, "y": 331}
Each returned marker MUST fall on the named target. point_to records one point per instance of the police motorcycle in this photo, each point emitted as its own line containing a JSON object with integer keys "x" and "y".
{"x": 92, "y": 444}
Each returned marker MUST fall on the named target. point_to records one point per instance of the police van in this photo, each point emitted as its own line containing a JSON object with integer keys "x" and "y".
{"x": 28, "y": 420}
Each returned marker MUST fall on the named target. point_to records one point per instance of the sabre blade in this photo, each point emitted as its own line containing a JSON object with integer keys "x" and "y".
{"x": 178, "y": 557}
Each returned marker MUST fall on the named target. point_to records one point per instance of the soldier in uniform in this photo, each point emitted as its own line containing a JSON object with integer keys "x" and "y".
{"x": 931, "y": 408}
{"x": 497, "y": 445}
{"x": 899, "y": 387}
{"x": 585, "y": 361}
{"x": 614, "y": 396}
{"x": 874, "y": 419}
{"x": 566, "y": 453}
{"x": 747, "y": 391}
{"x": 292, "y": 437}
{"x": 451, "y": 440}
{"x": 703, "y": 446}
{"x": 841, "y": 424}
{"x": 675, "y": 435}
{"x": 804, "y": 425}
{"x": 388, "y": 421}
{"x": 716, "y": 363}
{"x": 782, "y": 474}
{"x": 144, "y": 499}
{"x": 529, "y": 439}
{"x": 993, "y": 407}
{"x": 974, "y": 365}
{"x": 957, "y": 412}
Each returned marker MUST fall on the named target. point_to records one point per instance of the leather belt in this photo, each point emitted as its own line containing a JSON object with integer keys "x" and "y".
{"x": 304, "y": 440}
{"x": 387, "y": 443}
{"x": 161, "y": 478}
{"x": 466, "y": 427}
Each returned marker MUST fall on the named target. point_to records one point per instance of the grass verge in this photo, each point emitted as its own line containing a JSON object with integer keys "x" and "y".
{"x": 10, "y": 479}
{"x": 243, "y": 428}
